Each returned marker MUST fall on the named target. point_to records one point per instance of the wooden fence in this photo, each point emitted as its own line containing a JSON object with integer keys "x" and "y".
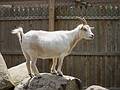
{"x": 94, "y": 62}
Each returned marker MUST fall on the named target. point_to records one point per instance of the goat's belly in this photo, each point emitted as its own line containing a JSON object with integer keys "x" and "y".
{"x": 45, "y": 54}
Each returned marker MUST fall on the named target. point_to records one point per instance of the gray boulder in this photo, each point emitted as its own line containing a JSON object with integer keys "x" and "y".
{"x": 5, "y": 80}
{"x": 96, "y": 87}
{"x": 47, "y": 81}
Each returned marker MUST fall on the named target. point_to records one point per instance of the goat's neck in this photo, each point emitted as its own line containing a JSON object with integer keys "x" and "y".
{"x": 75, "y": 37}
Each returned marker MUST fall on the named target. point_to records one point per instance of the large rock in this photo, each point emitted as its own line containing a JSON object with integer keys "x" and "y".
{"x": 96, "y": 87}
{"x": 47, "y": 81}
{"x": 18, "y": 73}
{"x": 5, "y": 83}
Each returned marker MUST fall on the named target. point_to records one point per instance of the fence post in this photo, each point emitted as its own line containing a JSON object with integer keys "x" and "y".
{"x": 51, "y": 14}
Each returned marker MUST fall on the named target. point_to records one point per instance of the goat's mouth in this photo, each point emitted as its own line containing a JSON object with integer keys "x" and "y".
{"x": 90, "y": 38}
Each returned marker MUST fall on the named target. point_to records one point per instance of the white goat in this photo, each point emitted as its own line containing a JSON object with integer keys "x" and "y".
{"x": 54, "y": 45}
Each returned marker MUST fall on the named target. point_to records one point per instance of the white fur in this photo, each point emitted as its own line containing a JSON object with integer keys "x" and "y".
{"x": 54, "y": 45}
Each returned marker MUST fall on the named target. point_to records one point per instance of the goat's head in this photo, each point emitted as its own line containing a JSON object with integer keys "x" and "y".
{"x": 85, "y": 30}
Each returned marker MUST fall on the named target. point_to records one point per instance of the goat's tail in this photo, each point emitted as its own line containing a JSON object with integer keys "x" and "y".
{"x": 19, "y": 32}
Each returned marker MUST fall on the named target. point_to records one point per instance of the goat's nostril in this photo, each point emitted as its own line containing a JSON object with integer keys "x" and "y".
{"x": 92, "y": 35}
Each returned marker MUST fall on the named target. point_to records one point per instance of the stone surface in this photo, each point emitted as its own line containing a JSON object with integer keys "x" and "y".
{"x": 5, "y": 80}
{"x": 47, "y": 81}
{"x": 96, "y": 87}
{"x": 18, "y": 73}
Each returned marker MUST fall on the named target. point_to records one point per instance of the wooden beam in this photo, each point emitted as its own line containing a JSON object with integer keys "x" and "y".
{"x": 73, "y": 53}
{"x": 51, "y": 14}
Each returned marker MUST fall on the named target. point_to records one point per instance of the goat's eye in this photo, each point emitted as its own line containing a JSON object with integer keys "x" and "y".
{"x": 84, "y": 29}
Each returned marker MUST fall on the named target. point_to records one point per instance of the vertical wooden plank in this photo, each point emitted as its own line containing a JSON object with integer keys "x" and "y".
{"x": 1, "y": 35}
{"x": 51, "y": 14}
{"x": 89, "y": 70}
{"x": 96, "y": 70}
{"x": 118, "y": 34}
{"x": 117, "y": 71}
{"x": 102, "y": 66}
{"x": 92, "y": 70}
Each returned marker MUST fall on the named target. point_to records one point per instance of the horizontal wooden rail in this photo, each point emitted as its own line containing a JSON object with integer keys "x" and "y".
{"x": 60, "y": 18}
{"x": 75, "y": 53}
{"x": 90, "y": 17}
{"x": 23, "y": 18}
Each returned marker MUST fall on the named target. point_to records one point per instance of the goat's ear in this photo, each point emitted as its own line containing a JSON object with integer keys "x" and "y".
{"x": 92, "y": 28}
{"x": 81, "y": 28}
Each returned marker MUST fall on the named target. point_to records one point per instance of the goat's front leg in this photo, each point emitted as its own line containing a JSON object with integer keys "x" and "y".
{"x": 60, "y": 66}
{"x": 28, "y": 68}
{"x": 33, "y": 66}
{"x": 53, "y": 68}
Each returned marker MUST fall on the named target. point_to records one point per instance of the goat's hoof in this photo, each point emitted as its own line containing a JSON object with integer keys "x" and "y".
{"x": 37, "y": 74}
{"x": 61, "y": 75}
{"x": 31, "y": 75}
{"x": 54, "y": 73}
{"x": 37, "y": 77}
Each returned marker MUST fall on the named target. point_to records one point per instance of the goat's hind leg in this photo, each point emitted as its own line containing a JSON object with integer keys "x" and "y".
{"x": 27, "y": 57}
{"x": 34, "y": 67}
{"x": 28, "y": 68}
{"x": 53, "y": 68}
